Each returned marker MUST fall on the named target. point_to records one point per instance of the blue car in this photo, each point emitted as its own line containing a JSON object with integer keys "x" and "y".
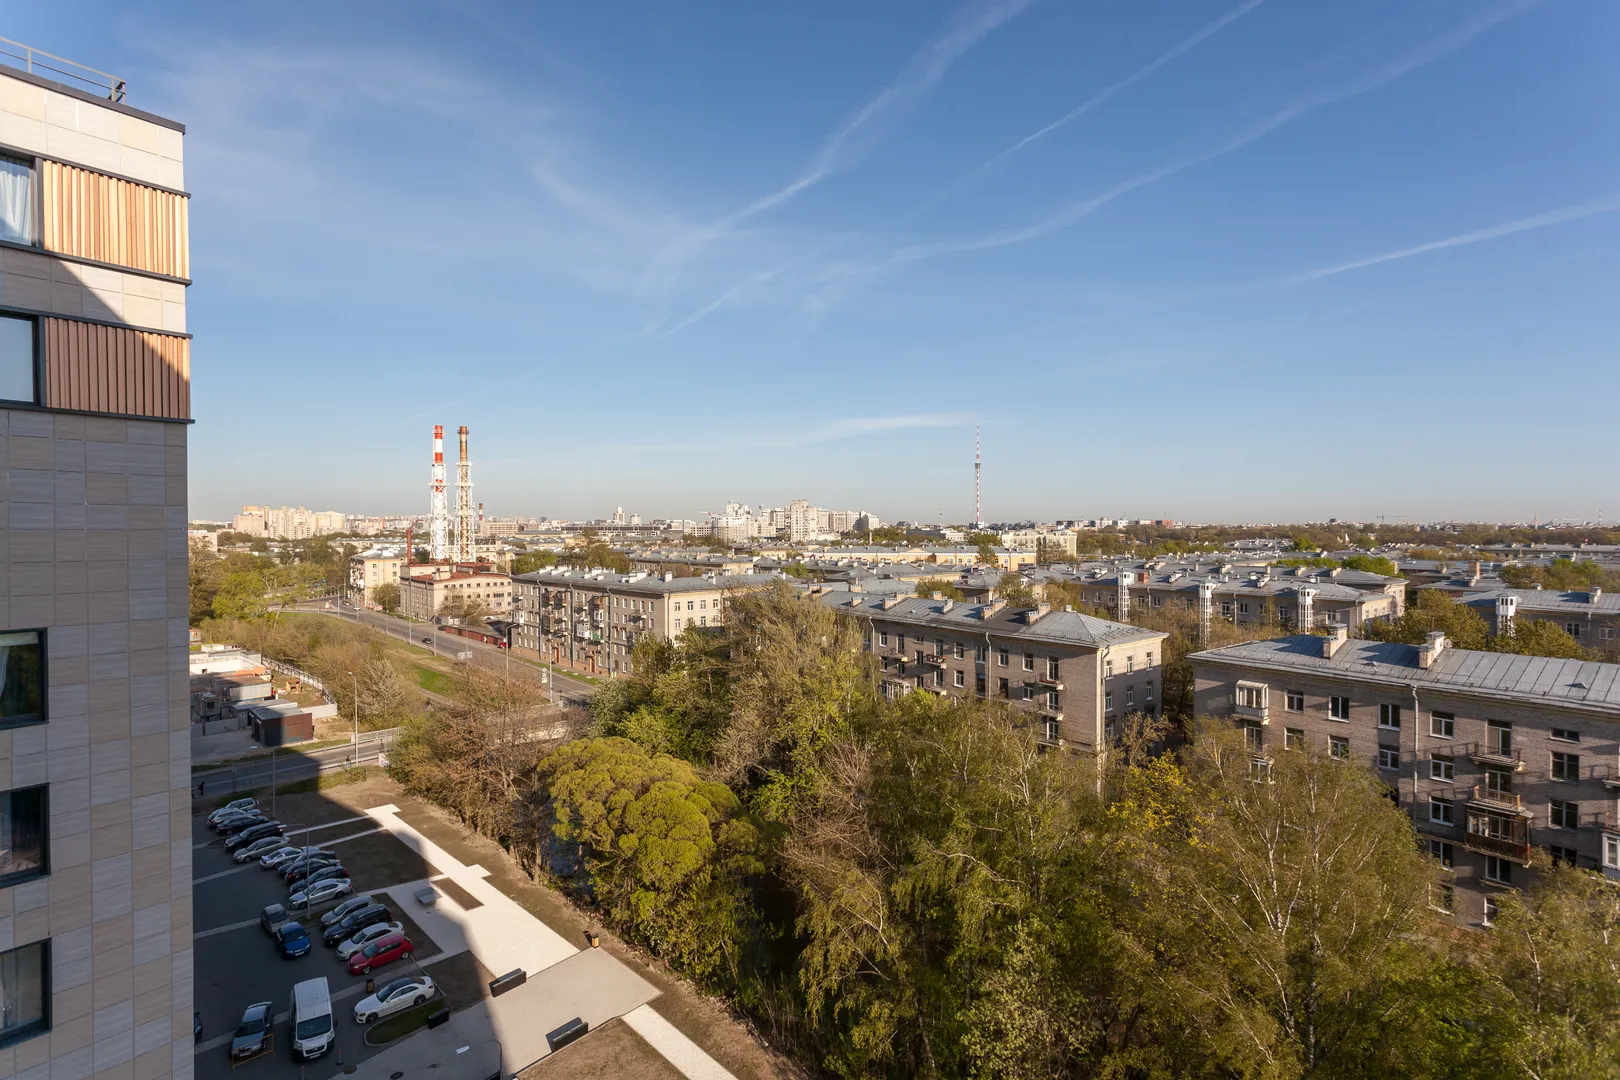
{"x": 293, "y": 939}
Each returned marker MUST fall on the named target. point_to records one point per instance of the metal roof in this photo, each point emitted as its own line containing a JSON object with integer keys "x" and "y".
{"x": 651, "y": 583}
{"x": 1056, "y": 627}
{"x": 1531, "y": 679}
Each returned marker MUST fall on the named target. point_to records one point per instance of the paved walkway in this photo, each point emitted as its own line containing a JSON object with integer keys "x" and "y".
{"x": 563, "y": 982}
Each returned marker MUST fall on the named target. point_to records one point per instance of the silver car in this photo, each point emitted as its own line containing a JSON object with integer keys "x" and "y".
{"x": 320, "y": 892}
{"x": 393, "y": 997}
{"x": 365, "y": 937}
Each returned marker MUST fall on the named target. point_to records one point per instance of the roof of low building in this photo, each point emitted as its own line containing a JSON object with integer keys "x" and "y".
{"x": 1580, "y": 601}
{"x": 1535, "y": 679}
{"x": 1058, "y": 627}
{"x": 651, "y": 583}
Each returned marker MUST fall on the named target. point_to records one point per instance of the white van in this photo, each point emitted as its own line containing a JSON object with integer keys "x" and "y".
{"x": 311, "y": 1013}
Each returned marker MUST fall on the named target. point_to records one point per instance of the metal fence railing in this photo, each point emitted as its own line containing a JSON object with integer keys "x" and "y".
{"x": 35, "y": 62}
{"x": 277, "y": 771}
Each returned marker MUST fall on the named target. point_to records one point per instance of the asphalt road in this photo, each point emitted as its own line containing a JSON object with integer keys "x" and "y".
{"x": 568, "y": 690}
{"x": 287, "y": 766}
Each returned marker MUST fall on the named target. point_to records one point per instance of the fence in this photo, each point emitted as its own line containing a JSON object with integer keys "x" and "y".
{"x": 297, "y": 673}
{"x": 273, "y": 772}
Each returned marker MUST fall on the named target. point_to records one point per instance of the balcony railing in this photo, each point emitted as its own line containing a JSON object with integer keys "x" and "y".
{"x": 1499, "y": 835}
{"x": 1486, "y": 753}
{"x": 1499, "y": 800}
{"x": 1253, "y": 712}
{"x": 32, "y": 60}
{"x": 1608, "y": 775}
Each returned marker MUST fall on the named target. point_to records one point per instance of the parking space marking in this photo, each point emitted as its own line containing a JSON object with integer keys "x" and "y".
{"x": 223, "y": 929}
{"x": 223, "y": 873}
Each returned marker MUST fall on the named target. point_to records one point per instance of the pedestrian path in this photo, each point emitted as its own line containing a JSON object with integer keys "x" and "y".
{"x": 504, "y": 936}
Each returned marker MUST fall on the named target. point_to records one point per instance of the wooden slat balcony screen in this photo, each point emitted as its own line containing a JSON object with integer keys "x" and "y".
{"x": 114, "y": 221}
{"x": 112, "y": 370}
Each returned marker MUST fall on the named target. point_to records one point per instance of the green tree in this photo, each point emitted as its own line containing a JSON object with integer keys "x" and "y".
{"x": 1016, "y": 591}
{"x": 386, "y": 596}
{"x": 674, "y": 701}
{"x": 1372, "y": 564}
{"x": 530, "y": 561}
{"x": 1538, "y": 637}
{"x": 1433, "y": 610}
{"x": 667, "y": 851}
{"x": 241, "y": 595}
{"x": 944, "y": 586}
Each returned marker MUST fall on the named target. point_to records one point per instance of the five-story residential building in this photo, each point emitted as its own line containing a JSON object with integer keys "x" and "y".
{"x": 95, "y": 785}
{"x": 1504, "y": 762}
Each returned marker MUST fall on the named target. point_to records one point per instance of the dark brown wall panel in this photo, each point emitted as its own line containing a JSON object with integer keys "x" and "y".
{"x": 113, "y": 370}
{"x": 114, "y": 221}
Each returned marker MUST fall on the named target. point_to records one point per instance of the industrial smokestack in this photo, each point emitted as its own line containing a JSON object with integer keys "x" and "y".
{"x": 466, "y": 529}
{"x": 438, "y": 510}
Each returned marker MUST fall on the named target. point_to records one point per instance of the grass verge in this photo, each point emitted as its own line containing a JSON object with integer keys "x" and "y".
{"x": 402, "y": 1024}
{"x": 434, "y": 682}
{"x": 328, "y": 781}
{"x": 282, "y": 752}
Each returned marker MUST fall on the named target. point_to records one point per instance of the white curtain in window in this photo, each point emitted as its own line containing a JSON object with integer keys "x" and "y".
{"x": 16, "y": 201}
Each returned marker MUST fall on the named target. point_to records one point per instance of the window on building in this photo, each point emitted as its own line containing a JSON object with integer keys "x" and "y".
{"x": 1611, "y": 851}
{"x": 1566, "y": 735}
{"x": 16, "y": 200}
{"x": 1389, "y": 716}
{"x": 677, "y": 624}
{"x": 1002, "y": 657}
{"x": 1339, "y": 708}
{"x": 883, "y": 638}
{"x": 17, "y": 356}
{"x": 1003, "y": 688}
{"x": 1565, "y": 815}
{"x": 1253, "y": 735}
{"x": 1573, "y": 629}
{"x": 1243, "y": 607}
{"x": 1499, "y": 737}
{"x": 1149, "y": 695}
{"x": 23, "y": 835}
{"x": 939, "y": 678}
{"x": 1108, "y": 669}
{"x": 1049, "y": 730}
{"x": 979, "y": 653}
{"x": 1440, "y": 811}
{"x": 1051, "y": 699}
{"x": 1108, "y": 701}
{"x": 961, "y": 678}
{"x": 1251, "y": 695}
{"x": 1051, "y": 667}
{"x": 1489, "y": 918}
{"x": 1389, "y": 757}
{"x": 1499, "y": 782}
{"x": 958, "y": 650}
{"x": 1293, "y": 738}
{"x": 22, "y": 698}
{"x": 1441, "y": 852}
{"x": 1442, "y": 768}
{"x": 1442, "y": 897}
{"x": 25, "y": 991}
{"x": 1259, "y": 769}
{"x": 1498, "y": 869}
{"x": 1130, "y": 664}
{"x": 1565, "y": 855}
{"x": 1442, "y": 725}
{"x": 978, "y": 684}
{"x": 1226, "y": 609}
{"x": 689, "y": 606}
{"x": 1029, "y": 661}
{"x": 1294, "y": 701}
{"x": 1339, "y": 747}
{"x": 1566, "y": 767}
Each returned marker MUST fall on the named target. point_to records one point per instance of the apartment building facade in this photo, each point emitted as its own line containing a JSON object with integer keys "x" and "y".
{"x": 1297, "y": 597}
{"x": 1504, "y": 762}
{"x": 591, "y": 620}
{"x": 95, "y": 785}
{"x": 1591, "y": 617}
{"x": 428, "y": 591}
{"x": 370, "y": 569}
{"x": 1077, "y": 675}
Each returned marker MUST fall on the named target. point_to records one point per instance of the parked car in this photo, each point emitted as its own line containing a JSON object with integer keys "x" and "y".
{"x": 355, "y": 920}
{"x": 298, "y": 864}
{"x": 278, "y": 859}
{"x": 293, "y": 939}
{"x": 363, "y": 937}
{"x": 392, "y": 997}
{"x": 319, "y": 892}
{"x": 385, "y": 950}
{"x": 272, "y": 917}
{"x": 261, "y": 831}
{"x": 232, "y": 807}
{"x": 262, "y": 846}
{"x": 252, "y": 1032}
{"x": 237, "y": 819}
{"x": 353, "y": 903}
{"x": 320, "y": 873}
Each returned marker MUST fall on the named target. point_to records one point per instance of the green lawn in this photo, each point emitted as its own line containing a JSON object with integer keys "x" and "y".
{"x": 402, "y": 1024}
{"x": 434, "y": 682}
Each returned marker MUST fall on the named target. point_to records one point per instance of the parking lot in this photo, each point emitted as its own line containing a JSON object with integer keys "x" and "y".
{"x": 237, "y": 963}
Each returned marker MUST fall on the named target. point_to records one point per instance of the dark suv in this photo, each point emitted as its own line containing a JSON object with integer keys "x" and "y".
{"x": 355, "y": 920}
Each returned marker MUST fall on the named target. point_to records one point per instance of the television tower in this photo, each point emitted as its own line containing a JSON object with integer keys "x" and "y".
{"x": 978, "y": 506}
{"x": 466, "y": 528}
{"x": 438, "y": 511}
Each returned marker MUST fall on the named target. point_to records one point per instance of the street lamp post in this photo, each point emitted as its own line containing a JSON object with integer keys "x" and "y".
{"x": 356, "y": 718}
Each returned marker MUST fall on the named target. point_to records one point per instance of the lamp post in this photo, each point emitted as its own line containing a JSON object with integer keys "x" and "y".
{"x": 356, "y": 717}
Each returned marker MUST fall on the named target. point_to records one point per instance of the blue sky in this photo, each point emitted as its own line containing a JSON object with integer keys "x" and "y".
{"x": 1208, "y": 259}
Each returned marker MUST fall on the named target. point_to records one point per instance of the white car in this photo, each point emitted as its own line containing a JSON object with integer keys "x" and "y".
{"x": 365, "y": 937}
{"x": 320, "y": 892}
{"x": 392, "y": 997}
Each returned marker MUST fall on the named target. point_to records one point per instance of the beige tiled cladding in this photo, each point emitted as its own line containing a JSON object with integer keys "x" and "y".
{"x": 103, "y": 569}
{"x": 58, "y": 125}
{"x": 38, "y": 281}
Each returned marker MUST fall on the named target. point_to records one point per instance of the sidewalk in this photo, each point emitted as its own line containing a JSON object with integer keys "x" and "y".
{"x": 563, "y": 981}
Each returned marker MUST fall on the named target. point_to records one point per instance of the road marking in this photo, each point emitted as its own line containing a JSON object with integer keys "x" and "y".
{"x": 222, "y": 929}
{"x": 255, "y": 863}
{"x": 222, "y": 873}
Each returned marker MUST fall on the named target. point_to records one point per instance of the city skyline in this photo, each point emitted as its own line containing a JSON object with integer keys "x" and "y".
{"x": 706, "y": 254}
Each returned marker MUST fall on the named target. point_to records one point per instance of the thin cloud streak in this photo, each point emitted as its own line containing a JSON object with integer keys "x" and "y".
{"x": 914, "y": 82}
{"x": 1495, "y": 232}
{"x": 1076, "y": 212}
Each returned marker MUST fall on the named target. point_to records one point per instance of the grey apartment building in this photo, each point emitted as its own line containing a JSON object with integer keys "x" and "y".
{"x": 1504, "y": 762}
{"x": 1079, "y": 676}
{"x": 95, "y": 830}
{"x": 592, "y": 619}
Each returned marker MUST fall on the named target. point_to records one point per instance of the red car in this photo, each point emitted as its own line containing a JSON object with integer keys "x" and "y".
{"x": 385, "y": 950}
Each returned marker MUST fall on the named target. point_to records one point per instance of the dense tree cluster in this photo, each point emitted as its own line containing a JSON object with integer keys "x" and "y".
{"x": 915, "y": 888}
{"x": 1433, "y": 610}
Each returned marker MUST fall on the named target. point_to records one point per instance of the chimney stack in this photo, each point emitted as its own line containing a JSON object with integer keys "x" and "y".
{"x": 1431, "y": 649}
{"x": 1335, "y": 641}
